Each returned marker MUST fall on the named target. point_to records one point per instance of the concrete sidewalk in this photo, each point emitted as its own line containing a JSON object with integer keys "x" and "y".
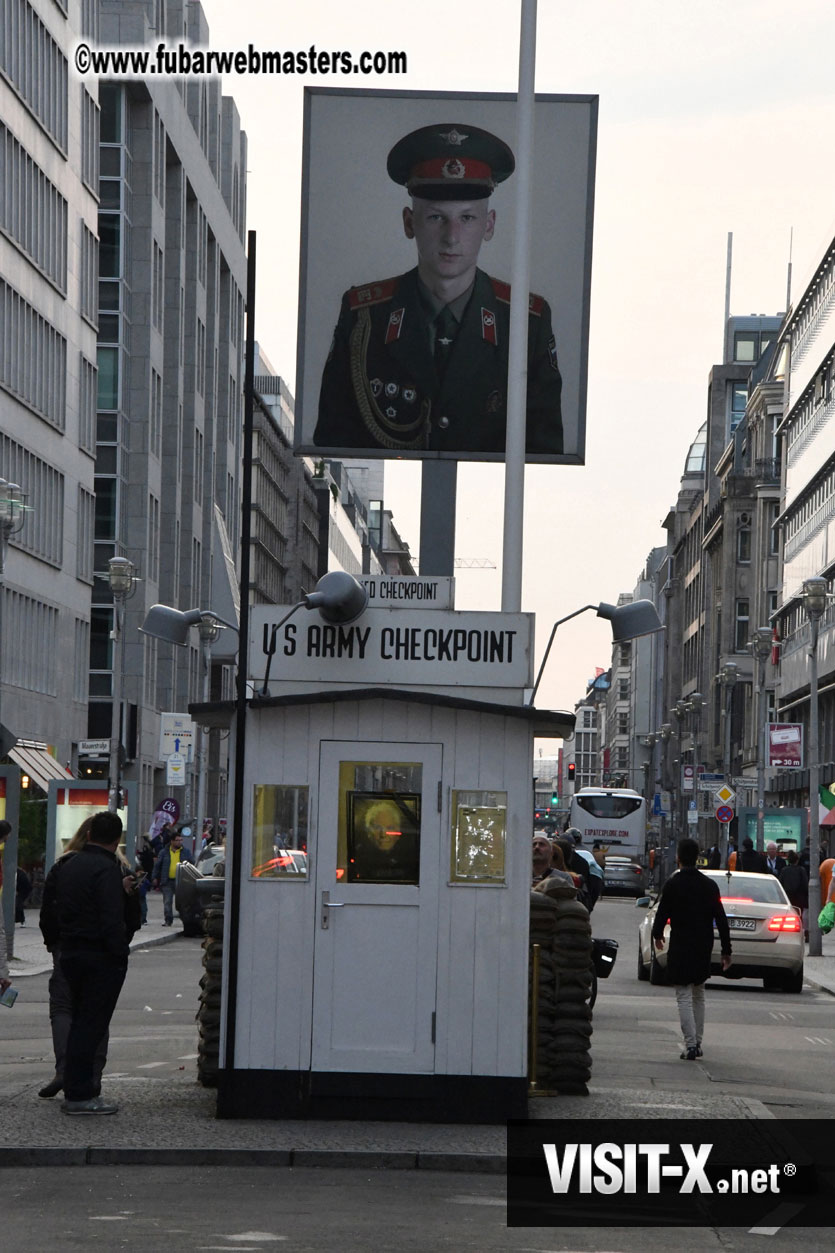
{"x": 172, "y": 1119}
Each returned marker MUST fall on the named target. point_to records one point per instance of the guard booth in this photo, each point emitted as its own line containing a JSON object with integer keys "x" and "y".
{"x": 375, "y": 960}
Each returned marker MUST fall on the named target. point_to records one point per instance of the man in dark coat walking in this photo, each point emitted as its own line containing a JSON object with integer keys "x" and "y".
{"x": 690, "y": 902}
{"x": 750, "y": 860}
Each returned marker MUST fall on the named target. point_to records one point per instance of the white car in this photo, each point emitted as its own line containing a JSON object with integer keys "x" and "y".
{"x": 766, "y": 933}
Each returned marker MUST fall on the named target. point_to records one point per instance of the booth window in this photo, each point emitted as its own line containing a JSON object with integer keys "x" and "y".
{"x": 279, "y": 831}
{"x": 379, "y": 822}
{"x": 479, "y": 837}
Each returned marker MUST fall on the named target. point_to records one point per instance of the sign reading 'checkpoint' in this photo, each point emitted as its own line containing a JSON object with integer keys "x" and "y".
{"x": 401, "y": 647}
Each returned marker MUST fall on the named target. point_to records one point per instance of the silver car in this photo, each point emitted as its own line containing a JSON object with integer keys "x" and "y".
{"x": 622, "y": 874}
{"x": 766, "y": 933}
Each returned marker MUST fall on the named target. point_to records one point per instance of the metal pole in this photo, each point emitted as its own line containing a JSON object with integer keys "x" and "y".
{"x": 115, "y": 764}
{"x": 763, "y": 703}
{"x": 815, "y": 946}
{"x": 726, "y": 766}
{"x": 517, "y": 381}
{"x": 202, "y": 762}
{"x": 235, "y": 836}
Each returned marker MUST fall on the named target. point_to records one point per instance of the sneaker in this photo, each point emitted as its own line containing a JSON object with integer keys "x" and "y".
{"x": 689, "y": 1055}
{"x": 94, "y": 1106}
{"x": 699, "y": 1050}
{"x": 52, "y": 1088}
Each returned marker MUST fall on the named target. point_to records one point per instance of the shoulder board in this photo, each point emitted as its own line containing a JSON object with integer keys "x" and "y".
{"x": 372, "y": 293}
{"x": 502, "y": 292}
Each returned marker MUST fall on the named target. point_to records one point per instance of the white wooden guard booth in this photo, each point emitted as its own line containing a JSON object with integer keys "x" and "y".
{"x": 381, "y": 958}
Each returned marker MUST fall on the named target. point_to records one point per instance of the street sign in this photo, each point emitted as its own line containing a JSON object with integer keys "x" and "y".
{"x": 725, "y": 795}
{"x": 724, "y": 813}
{"x": 710, "y": 782}
{"x": 174, "y": 727}
{"x": 94, "y": 748}
{"x": 687, "y": 773}
{"x": 175, "y": 770}
{"x": 692, "y": 817}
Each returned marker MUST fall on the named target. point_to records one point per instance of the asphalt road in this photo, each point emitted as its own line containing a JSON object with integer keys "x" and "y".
{"x": 153, "y": 1031}
{"x": 774, "y": 1047}
{"x": 769, "y": 1046}
{"x": 255, "y": 1210}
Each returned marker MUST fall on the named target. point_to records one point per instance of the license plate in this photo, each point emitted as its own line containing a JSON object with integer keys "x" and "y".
{"x": 742, "y": 924}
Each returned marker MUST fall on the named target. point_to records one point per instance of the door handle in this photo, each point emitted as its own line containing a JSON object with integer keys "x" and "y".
{"x": 327, "y": 904}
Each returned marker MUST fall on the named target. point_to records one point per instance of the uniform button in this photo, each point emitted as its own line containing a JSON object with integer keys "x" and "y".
{"x": 443, "y": 423}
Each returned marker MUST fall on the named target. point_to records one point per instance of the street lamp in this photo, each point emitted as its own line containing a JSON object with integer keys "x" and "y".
{"x": 163, "y": 622}
{"x": 339, "y": 597}
{"x": 727, "y": 677}
{"x": 121, "y": 575}
{"x": 760, "y": 644}
{"x": 814, "y": 599}
{"x": 638, "y": 617}
{"x": 12, "y": 517}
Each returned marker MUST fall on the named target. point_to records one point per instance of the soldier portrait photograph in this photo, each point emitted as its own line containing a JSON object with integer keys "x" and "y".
{"x": 413, "y": 359}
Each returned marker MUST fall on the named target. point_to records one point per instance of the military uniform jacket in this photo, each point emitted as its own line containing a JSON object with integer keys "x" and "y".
{"x": 380, "y": 388}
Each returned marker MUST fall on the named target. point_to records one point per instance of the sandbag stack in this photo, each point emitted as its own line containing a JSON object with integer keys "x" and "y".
{"x": 562, "y": 929}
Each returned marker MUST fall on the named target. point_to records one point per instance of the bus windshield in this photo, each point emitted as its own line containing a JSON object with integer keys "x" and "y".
{"x": 609, "y": 806}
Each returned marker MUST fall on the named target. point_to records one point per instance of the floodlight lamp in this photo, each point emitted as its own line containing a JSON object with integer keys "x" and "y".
{"x": 164, "y": 622}
{"x": 339, "y": 597}
{"x": 638, "y": 617}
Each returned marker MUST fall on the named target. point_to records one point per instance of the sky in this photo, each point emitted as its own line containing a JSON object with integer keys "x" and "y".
{"x": 713, "y": 118}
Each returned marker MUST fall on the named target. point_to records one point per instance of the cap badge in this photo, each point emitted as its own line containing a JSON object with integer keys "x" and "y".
{"x": 453, "y": 168}
{"x": 454, "y": 138}
{"x": 392, "y": 389}
{"x": 376, "y": 386}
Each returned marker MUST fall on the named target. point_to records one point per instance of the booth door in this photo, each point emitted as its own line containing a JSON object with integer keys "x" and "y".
{"x": 377, "y": 868}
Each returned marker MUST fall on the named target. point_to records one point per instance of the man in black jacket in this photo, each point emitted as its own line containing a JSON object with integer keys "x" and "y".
{"x": 94, "y": 955}
{"x": 690, "y": 902}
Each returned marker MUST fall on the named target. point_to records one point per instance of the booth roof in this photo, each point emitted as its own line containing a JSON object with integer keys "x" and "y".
{"x": 557, "y": 724}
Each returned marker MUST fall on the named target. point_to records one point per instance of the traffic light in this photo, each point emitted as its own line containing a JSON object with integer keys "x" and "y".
{"x": 572, "y": 770}
{"x": 555, "y": 800}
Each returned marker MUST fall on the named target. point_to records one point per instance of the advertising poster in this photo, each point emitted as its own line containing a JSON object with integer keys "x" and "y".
{"x": 408, "y": 220}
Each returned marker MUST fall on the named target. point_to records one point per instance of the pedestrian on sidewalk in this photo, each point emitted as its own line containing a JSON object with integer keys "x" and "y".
{"x": 690, "y": 902}
{"x": 165, "y": 873}
{"x": 23, "y": 890}
{"x": 5, "y": 981}
{"x": 60, "y": 996}
{"x": 795, "y": 881}
{"x": 90, "y": 902}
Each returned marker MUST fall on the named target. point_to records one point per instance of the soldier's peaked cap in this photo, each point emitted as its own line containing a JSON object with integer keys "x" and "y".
{"x": 450, "y": 161}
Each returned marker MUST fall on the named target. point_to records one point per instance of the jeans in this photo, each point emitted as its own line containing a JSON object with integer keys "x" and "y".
{"x": 167, "y": 887}
{"x": 690, "y": 998}
{"x": 95, "y": 980}
{"x": 60, "y": 1017}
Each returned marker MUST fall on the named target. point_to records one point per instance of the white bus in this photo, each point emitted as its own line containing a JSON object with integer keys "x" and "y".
{"x": 613, "y": 817}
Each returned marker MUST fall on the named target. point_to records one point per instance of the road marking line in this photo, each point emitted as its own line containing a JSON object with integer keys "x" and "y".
{"x": 477, "y": 1200}
{"x": 150, "y": 1065}
{"x": 779, "y": 1217}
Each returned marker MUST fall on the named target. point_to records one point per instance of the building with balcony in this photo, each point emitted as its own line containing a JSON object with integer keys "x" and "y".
{"x": 806, "y": 360}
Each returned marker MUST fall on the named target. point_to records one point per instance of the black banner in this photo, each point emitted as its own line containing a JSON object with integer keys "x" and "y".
{"x": 761, "y": 1173}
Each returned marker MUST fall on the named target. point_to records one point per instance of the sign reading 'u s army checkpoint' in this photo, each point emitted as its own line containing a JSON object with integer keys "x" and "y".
{"x": 401, "y": 647}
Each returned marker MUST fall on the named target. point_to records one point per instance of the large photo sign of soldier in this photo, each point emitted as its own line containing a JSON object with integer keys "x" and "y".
{"x": 404, "y": 313}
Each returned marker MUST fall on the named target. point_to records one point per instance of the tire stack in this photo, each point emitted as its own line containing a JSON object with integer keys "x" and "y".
{"x": 563, "y": 1046}
{"x": 208, "y": 1013}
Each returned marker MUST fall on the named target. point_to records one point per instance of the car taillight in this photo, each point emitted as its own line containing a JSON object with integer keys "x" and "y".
{"x": 637, "y": 869}
{"x": 737, "y": 900}
{"x": 784, "y": 922}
